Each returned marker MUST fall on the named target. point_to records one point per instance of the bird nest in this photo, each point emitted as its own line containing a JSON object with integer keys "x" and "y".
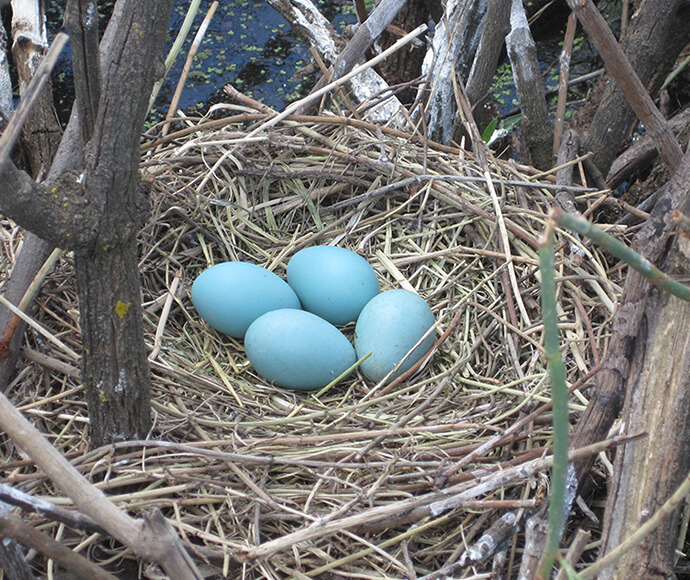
{"x": 360, "y": 480}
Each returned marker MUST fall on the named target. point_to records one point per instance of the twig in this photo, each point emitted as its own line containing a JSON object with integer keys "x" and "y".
{"x": 160, "y": 329}
{"x": 515, "y": 428}
{"x": 154, "y": 540}
{"x": 188, "y": 64}
{"x": 405, "y": 40}
{"x": 27, "y": 299}
{"x": 510, "y": 284}
{"x": 563, "y": 84}
{"x": 13, "y": 527}
{"x": 290, "y": 109}
{"x": 46, "y": 509}
{"x": 623, "y": 72}
{"x": 574, "y": 552}
{"x": 36, "y": 326}
{"x": 176, "y": 47}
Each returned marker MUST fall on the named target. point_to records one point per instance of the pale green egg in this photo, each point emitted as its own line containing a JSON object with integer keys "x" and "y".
{"x": 231, "y": 295}
{"x": 332, "y": 282}
{"x": 388, "y": 327}
{"x": 297, "y": 350}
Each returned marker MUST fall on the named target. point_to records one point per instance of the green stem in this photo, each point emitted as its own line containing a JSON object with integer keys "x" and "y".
{"x": 559, "y": 395}
{"x": 622, "y": 252}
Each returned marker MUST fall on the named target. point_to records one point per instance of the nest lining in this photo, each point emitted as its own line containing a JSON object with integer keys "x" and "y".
{"x": 247, "y": 464}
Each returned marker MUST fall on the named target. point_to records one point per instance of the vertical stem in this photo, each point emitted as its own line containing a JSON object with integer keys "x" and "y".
{"x": 81, "y": 20}
{"x": 559, "y": 395}
{"x": 563, "y": 77}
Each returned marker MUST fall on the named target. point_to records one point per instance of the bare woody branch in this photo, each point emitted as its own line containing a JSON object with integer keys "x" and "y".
{"x": 623, "y": 72}
{"x": 155, "y": 540}
{"x": 13, "y": 527}
{"x": 81, "y": 20}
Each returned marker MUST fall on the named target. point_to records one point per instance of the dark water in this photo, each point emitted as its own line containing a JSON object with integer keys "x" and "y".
{"x": 251, "y": 46}
{"x": 247, "y": 44}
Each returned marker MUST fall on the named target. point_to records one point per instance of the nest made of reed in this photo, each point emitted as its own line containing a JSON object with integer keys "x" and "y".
{"x": 269, "y": 483}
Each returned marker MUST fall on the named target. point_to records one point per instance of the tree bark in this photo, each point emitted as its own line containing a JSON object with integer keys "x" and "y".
{"x": 6, "y": 105}
{"x": 405, "y": 66}
{"x": 454, "y": 44}
{"x": 82, "y": 26}
{"x": 648, "y": 470}
{"x": 42, "y": 130}
{"x": 494, "y": 31}
{"x": 117, "y": 373}
{"x": 627, "y": 337}
{"x": 12, "y": 560}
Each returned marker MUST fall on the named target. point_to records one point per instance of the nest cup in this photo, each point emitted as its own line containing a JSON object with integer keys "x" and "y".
{"x": 253, "y": 465}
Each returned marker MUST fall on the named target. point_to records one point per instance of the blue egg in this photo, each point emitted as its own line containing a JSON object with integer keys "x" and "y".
{"x": 232, "y": 295}
{"x": 388, "y": 327}
{"x": 297, "y": 349}
{"x": 333, "y": 283}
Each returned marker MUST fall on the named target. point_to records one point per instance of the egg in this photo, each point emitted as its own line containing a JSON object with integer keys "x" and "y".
{"x": 388, "y": 327}
{"x": 332, "y": 282}
{"x": 231, "y": 295}
{"x": 297, "y": 349}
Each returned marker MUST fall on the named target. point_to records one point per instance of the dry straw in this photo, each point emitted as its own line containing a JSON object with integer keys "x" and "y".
{"x": 269, "y": 483}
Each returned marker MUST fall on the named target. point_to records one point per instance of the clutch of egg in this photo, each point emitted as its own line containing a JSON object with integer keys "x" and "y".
{"x": 302, "y": 349}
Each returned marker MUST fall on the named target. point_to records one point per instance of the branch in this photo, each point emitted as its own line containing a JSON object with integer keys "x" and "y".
{"x": 61, "y": 214}
{"x": 14, "y": 128}
{"x": 81, "y": 21}
{"x": 13, "y": 527}
{"x": 112, "y": 155}
{"x": 318, "y": 33}
{"x": 522, "y": 53}
{"x": 454, "y": 43}
{"x": 70, "y": 518}
{"x": 53, "y": 214}
{"x": 630, "y": 84}
{"x": 368, "y": 31}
